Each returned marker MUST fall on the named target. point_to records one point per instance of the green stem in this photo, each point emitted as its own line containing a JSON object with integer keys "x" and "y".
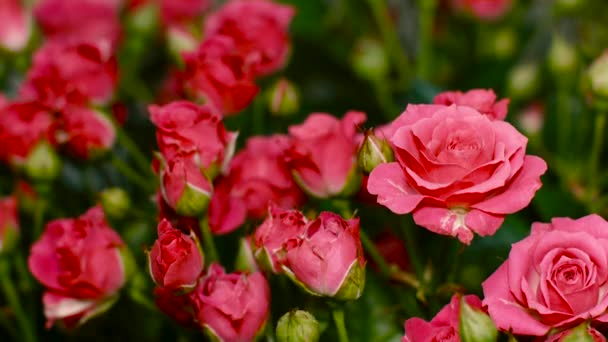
{"x": 374, "y": 254}
{"x": 424, "y": 61}
{"x": 596, "y": 153}
{"x": 412, "y": 251}
{"x": 132, "y": 175}
{"x": 385, "y": 100}
{"x": 259, "y": 115}
{"x": 39, "y": 210}
{"x": 140, "y": 159}
{"x": 564, "y": 124}
{"x": 208, "y": 243}
{"x": 27, "y": 329}
{"x": 392, "y": 45}
{"x": 338, "y": 315}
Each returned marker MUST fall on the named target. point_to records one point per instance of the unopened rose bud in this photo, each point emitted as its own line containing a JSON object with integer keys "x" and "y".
{"x": 582, "y": 333}
{"x": 42, "y": 164}
{"x": 531, "y": 119}
{"x": 298, "y": 326}
{"x": 245, "y": 260}
{"x": 562, "y": 59}
{"x": 523, "y": 81}
{"x": 369, "y": 59}
{"x": 373, "y": 152}
{"x": 115, "y": 202}
{"x": 179, "y": 41}
{"x": 475, "y": 325}
{"x": 9, "y": 224}
{"x": 184, "y": 187}
{"x": 598, "y": 76}
{"x": 283, "y": 99}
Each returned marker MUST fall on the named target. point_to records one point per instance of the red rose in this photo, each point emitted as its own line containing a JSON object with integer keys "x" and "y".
{"x": 259, "y": 30}
{"x": 79, "y": 262}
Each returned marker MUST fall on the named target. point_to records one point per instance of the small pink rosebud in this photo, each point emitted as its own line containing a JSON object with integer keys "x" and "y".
{"x": 231, "y": 307}
{"x": 327, "y": 260}
{"x": 373, "y": 152}
{"x": 283, "y": 99}
{"x": 16, "y": 28}
{"x": 176, "y": 259}
{"x": 9, "y": 223}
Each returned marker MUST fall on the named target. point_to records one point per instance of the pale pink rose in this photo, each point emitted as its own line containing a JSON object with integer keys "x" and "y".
{"x": 484, "y": 100}
{"x": 327, "y": 257}
{"x": 459, "y": 172}
{"x": 259, "y": 29}
{"x": 16, "y": 27}
{"x": 490, "y": 10}
{"x": 232, "y": 307}
{"x": 445, "y": 326}
{"x": 556, "y": 278}
{"x": 323, "y": 157}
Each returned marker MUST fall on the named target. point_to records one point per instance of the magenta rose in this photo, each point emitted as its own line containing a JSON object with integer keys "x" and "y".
{"x": 176, "y": 259}
{"x": 483, "y": 100}
{"x": 9, "y": 222}
{"x": 327, "y": 259}
{"x": 459, "y": 172}
{"x": 217, "y": 74}
{"x": 490, "y": 10}
{"x": 270, "y": 238}
{"x": 259, "y": 29}
{"x": 445, "y": 326}
{"x": 556, "y": 278}
{"x": 22, "y": 127}
{"x": 82, "y": 19}
{"x": 184, "y": 128}
{"x": 80, "y": 264}
{"x": 16, "y": 27}
{"x": 256, "y": 176}
{"x": 231, "y": 307}
{"x": 323, "y": 158}
{"x": 86, "y": 132}
{"x": 71, "y": 72}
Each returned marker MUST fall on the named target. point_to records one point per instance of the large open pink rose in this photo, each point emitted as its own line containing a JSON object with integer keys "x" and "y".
{"x": 556, "y": 278}
{"x": 458, "y": 171}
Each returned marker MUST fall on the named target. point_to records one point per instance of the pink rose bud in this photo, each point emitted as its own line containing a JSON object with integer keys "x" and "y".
{"x": 231, "y": 307}
{"x": 259, "y": 29}
{"x": 72, "y": 72}
{"x": 176, "y": 259}
{"x": 373, "y": 152}
{"x": 327, "y": 260}
{"x": 79, "y": 20}
{"x": 444, "y": 326}
{"x": 9, "y": 223}
{"x": 475, "y": 324}
{"x": 183, "y": 186}
{"x": 80, "y": 262}
{"x": 555, "y": 278}
{"x": 184, "y": 128}
{"x": 483, "y": 100}
{"x": 283, "y": 99}
{"x": 582, "y": 333}
{"x": 256, "y": 176}
{"x": 323, "y": 158}
{"x": 176, "y": 12}
{"x": 459, "y": 172}
{"x": 489, "y": 10}
{"x": 16, "y": 28}
{"x": 270, "y": 237}
{"x": 218, "y": 75}
{"x": 86, "y": 133}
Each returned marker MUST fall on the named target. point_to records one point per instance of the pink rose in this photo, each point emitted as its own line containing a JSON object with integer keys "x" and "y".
{"x": 226, "y": 213}
{"x": 490, "y": 10}
{"x": 82, "y": 19}
{"x": 323, "y": 158}
{"x": 458, "y": 171}
{"x": 182, "y": 11}
{"x": 259, "y": 29}
{"x": 483, "y": 100}
{"x": 231, "y": 307}
{"x": 327, "y": 259}
{"x": 22, "y": 127}
{"x": 270, "y": 238}
{"x": 79, "y": 262}
{"x": 219, "y": 75}
{"x": 445, "y": 326}
{"x": 76, "y": 72}
{"x": 257, "y": 176}
{"x": 556, "y": 278}
{"x": 16, "y": 27}
{"x": 176, "y": 259}
{"x": 184, "y": 128}
{"x": 86, "y": 132}
{"x": 9, "y": 221}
